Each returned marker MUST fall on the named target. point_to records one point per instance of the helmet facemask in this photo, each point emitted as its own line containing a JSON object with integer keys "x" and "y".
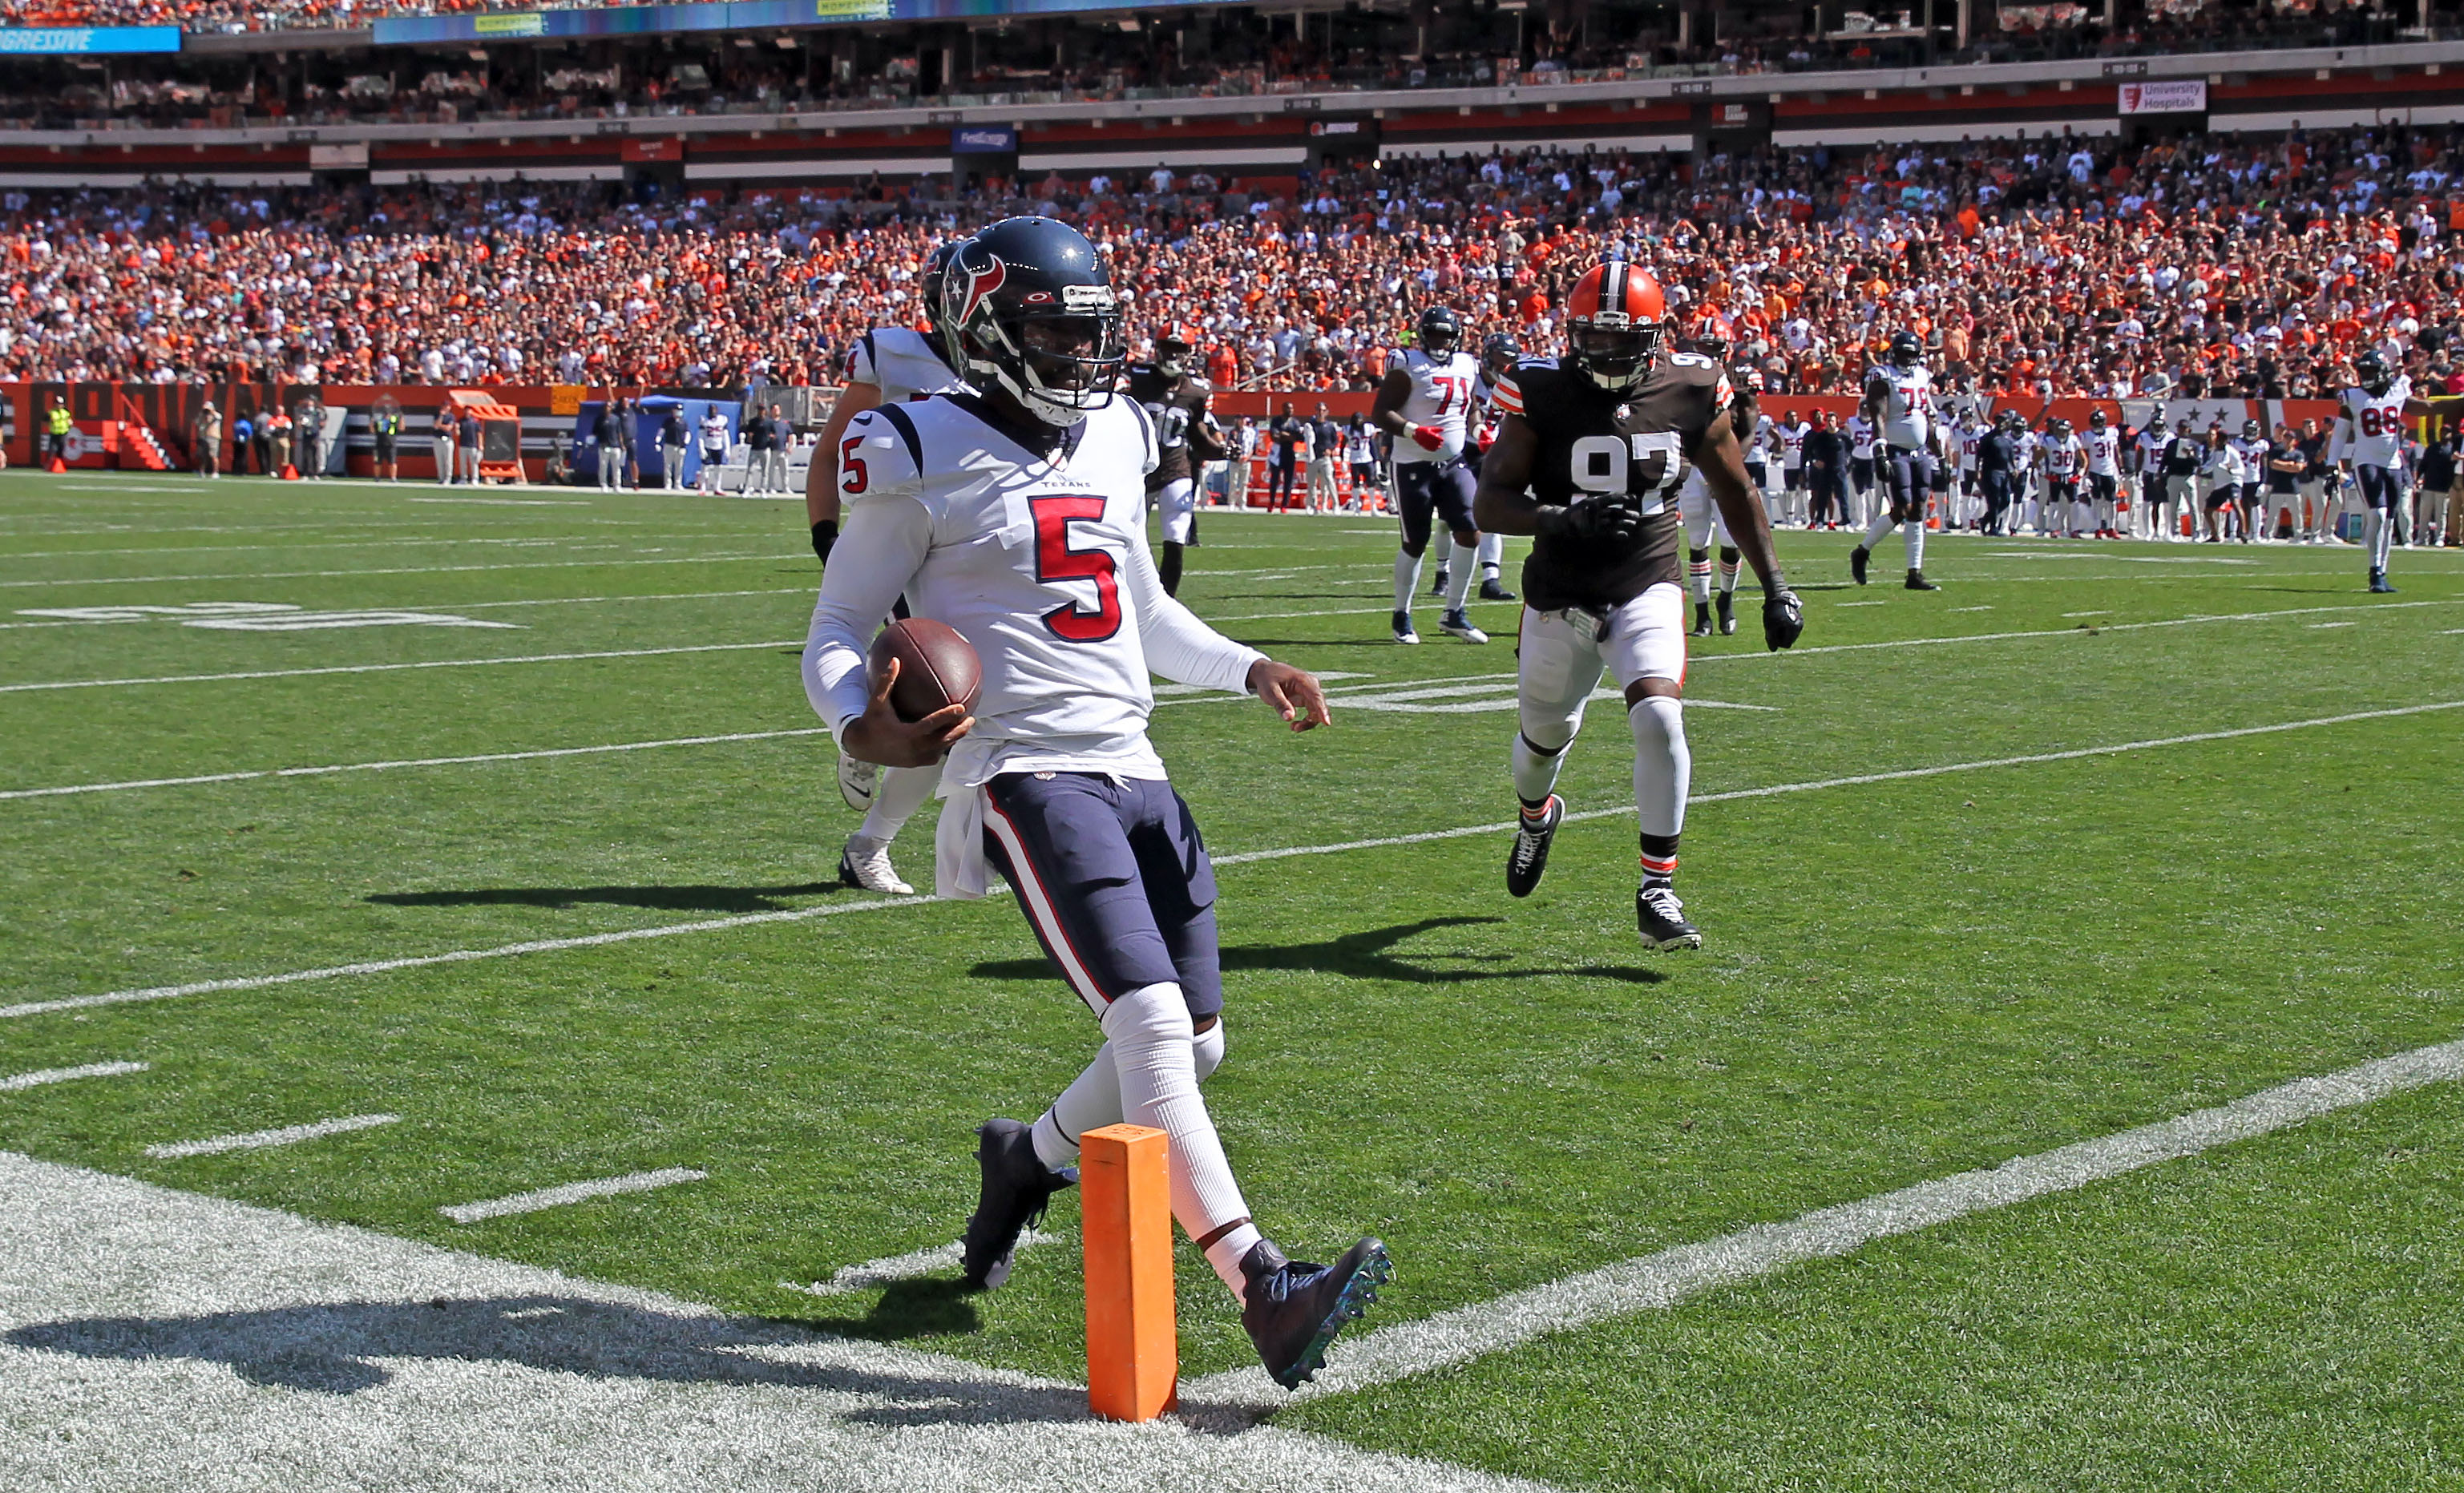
{"x": 1059, "y": 363}
{"x": 1615, "y": 353}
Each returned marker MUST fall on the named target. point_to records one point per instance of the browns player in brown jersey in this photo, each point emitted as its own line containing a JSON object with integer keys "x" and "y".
{"x": 1175, "y": 405}
{"x": 1589, "y": 461}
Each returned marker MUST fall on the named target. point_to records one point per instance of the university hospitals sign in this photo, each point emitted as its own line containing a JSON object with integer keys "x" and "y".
{"x": 2167, "y": 98}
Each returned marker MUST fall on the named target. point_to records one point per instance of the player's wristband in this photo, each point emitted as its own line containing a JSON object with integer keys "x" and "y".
{"x": 825, "y": 533}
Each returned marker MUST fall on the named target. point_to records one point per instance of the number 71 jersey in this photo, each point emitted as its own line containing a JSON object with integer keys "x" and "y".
{"x": 1592, "y": 443}
{"x": 1033, "y": 560}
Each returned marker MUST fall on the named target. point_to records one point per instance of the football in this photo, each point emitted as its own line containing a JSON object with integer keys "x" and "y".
{"x": 936, "y": 667}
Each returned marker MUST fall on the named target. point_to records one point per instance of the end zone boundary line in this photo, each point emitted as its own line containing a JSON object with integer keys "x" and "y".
{"x": 1239, "y": 858}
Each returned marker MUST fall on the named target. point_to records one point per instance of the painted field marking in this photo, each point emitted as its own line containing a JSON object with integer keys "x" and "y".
{"x": 2119, "y": 559}
{"x": 380, "y": 668}
{"x": 2087, "y": 614}
{"x": 42, "y": 1076}
{"x": 570, "y": 1193}
{"x": 511, "y": 502}
{"x": 421, "y": 762}
{"x": 1238, "y": 858}
{"x": 403, "y": 570}
{"x": 1971, "y": 608}
{"x": 850, "y": 1278}
{"x": 258, "y": 1140}
{"x": 1660, "y": 1281}
{"x": 2316, "y": 625}
{"x": 1861, "y": 604}
{"x": 259, "y": 617}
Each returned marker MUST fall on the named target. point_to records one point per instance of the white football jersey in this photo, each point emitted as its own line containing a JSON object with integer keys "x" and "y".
{"x": 1040, "y": 563}
{"x": 2373, "y": 424}
{"x": 1860, "y": 438}
{"x": 2104, "y": 452}
{"x": 2063, "y": 454}
{"x": 2250, "y": 458}
{"x": 1970, "y": 440}
{"x": 903, "y": 363}
{"x": 1443, "y": 390}
{"x": 2151, "y": 444}
{"x": 1908, "y": 408}
{"x": 1793, "y": 444}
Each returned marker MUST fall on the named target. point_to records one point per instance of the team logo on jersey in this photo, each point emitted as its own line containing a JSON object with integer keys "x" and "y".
{"x": 1624, "y": 413}
{"x": 981, "y": 283}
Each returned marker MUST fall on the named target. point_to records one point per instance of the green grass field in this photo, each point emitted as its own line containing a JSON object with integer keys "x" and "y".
{"x": 1901, "y": 979}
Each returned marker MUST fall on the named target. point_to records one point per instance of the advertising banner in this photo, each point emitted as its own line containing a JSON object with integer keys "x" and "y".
{"x": 57, "y": 40}
{"x": 2171, "y": 97}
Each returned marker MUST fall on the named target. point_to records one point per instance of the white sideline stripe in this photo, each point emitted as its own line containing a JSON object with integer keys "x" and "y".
{"x": 1660, "y": 1281}
{"x": 378, "y": 669}
{"x": 512, "y": 502}
{"x": 570, "y": 1192}
{"x": 850, "y": 1278}
{"x": 399, "y": 570}
{"x": 1238, "y": 858}
{"x": 421, "y": 762}
{"x": 41, "y": 1076}
{"x": 255, "y": 1140}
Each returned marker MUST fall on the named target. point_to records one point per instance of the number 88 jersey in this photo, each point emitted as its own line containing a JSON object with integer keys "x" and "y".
{"x": 1592, "y": 443}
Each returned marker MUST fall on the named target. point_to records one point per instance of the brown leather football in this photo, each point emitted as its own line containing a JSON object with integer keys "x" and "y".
{"x": 936, "y": 667}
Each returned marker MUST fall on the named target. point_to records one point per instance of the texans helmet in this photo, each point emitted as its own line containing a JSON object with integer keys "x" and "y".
{"x": 1499, "y": 352}
{"x": 936, "y": 273}
{"x": 2096, "y": 418}
{"x": 1614, "y": 322}
{"x": 2059, "y": 425}
{"x": 1440, "y": 330}
{"x": 2370, "y": 371}
{"x": 1907, "y": 350}
{"x": 1029, "y": 311}
{"x": 2253, "y": 430}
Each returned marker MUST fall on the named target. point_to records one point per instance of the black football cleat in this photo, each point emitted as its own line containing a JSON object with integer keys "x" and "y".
{"x": 1017, "y": 1186}
{"x": 1444, "y": 576}
{"x": 1702, "y": 627}
{"x": 2379, "y": 583}
{"x": 1660, "y": 918}
{"x": 1918, "y": 583}
{"x": 1857, "y": 562}
{"x": 1493, "y": 589}
{"x": 1728, "y": 613}
{"x": 1528, "y": 861}
{"x": 1293, "y": 1309}
{"x": 1404, "y": 629}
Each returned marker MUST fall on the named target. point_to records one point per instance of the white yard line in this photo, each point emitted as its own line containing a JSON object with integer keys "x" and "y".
{"x": 258, "y": 1140}
{"x": 42, "y": 1076}
{"x": 571, "y": 1193}
{"x": 380, "y": 669}
{"x": 915, "y": 1264}
{"x": 403, "y": 570}
{"x": 1659, "y": 1281}
{"x": 1238, "y": 858}
{"x": 511, "y": 502}
{"x": 421, "y": 762}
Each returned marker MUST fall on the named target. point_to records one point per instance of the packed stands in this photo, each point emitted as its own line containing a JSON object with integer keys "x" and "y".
{"x": 2225, "y": 265}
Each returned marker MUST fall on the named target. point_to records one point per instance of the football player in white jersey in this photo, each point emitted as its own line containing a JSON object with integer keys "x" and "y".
{"x": 2369, "y": 448}
{"x": 1791, "y": 446}
{"x": 2104, "y": 473}
{"x": 2148, "y": 454}
{"x": 1499, "y": 353}
{"x": 2060, "y": 455}
{"x": 888, "y": 365}
{"x": 1702, "y": 518}
{"x": 1424, "y": 402}
{"x": 1859, "y": 431}
{"x": 1899, "y": 402}
{"x": 1015, "y": 514}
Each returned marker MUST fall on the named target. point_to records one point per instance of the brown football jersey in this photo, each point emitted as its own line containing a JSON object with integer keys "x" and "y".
{"x": 1178, "y": 409}
{"x": 1595, "y": 444}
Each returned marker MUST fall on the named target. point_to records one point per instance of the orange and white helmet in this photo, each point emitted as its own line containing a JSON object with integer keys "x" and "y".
{"x": 1614, "y": 322}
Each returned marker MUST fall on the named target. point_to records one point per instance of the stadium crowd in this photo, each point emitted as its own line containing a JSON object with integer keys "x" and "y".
{"x": 2227, "y": 265}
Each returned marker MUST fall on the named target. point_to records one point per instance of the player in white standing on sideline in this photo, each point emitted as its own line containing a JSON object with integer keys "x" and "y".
{"x": 1589, "y": 461}
{"x": 2104, "y": 473}
{"x": 888, "y": 365}
{"x": 2060, "y": 455}
{"x": 1424, "y": 402}
{"x": 2369, "y": 449}
{"x": 1704, "y": 519}
{"x": 1499, "y": 353}
{"x": 716, "y": 435}
{"x": 1898, "y": 399}
{"x": 1016, "y": 514}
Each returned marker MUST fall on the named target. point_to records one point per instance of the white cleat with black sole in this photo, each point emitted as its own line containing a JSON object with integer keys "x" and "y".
{"x": 865, "y": 864}
{"x": 1455, "y": 625}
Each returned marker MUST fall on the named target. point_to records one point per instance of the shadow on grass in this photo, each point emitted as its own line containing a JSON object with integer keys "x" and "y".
{"x": 1367, "y": 955}
{"x": 681, "y": 899}
{"x": 343, "y": 1348}
{"x": 928, "y": 1307}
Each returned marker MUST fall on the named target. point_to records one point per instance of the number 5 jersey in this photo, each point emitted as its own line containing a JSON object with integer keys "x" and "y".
{"x": 1593, "y": 444}
{"x": 1038, "y": 559}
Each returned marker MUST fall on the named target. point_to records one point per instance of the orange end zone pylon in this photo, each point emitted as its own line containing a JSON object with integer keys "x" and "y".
{"x": 1125, "y": 1209}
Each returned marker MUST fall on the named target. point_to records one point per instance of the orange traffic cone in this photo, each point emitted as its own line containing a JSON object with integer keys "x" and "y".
{"x": 56, "y": 464}
{"x": 290, "y": 472}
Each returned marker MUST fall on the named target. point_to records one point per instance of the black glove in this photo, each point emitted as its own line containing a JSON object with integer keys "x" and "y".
{"x": 824, "y": 534}
{"x": 1611, "y": 523}
{"x": 1783, "y": 618}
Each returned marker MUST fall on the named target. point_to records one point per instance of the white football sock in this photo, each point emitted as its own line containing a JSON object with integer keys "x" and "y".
{"x": 2379, "y": 525}
{"x": 1535, "y": 773}
{"x": 1155, "y": 1055}
{"x": 1093, "y": 1099}
{"x": 1461, "y": 571}
{"x": 1492, "y": 554}
{"x": 1407, "y": 579}
{"x": 1881, "y": 525}
{"x": 900, "y": 791}
{"x": 1915, "y": 534}
{"x": 1698, "y": 578}
{"x": 1664, "y": 770}
{"x": 1728, "y": 575}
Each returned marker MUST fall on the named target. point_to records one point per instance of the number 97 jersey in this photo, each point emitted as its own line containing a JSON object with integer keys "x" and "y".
{"x": 1592, "y": 445}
